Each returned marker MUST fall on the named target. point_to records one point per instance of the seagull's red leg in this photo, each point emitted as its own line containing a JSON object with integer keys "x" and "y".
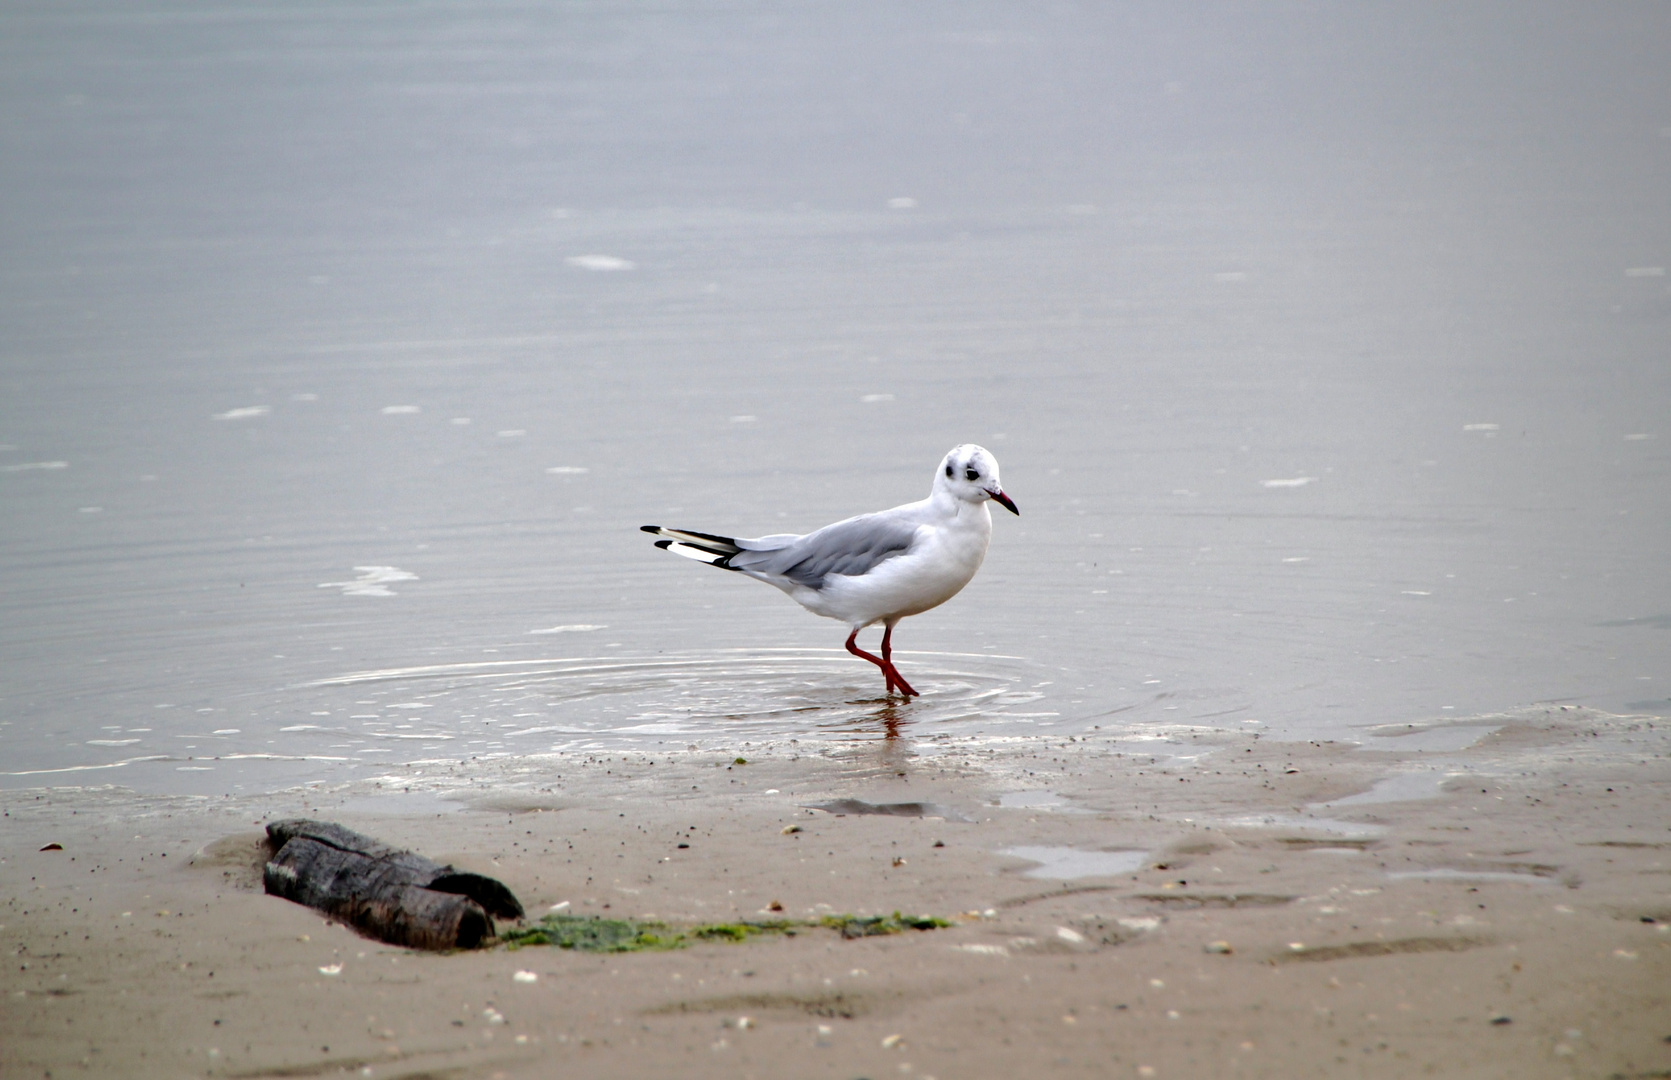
{"x": 888, "y": 659}
{"x": 853, "y": 647}
{"x": 888, "y": 671}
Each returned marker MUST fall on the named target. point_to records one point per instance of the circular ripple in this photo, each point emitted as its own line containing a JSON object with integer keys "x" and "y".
{"x": 528, "y": 706}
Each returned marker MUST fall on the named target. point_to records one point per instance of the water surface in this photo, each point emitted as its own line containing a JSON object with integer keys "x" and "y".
{"x": 343, "y": 348}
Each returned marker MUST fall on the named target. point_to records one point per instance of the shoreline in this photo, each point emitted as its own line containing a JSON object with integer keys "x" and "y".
{"x": 1261, "y": 908}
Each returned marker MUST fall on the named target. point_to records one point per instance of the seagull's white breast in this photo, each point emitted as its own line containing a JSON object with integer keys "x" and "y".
{"x": 941, "y": 560}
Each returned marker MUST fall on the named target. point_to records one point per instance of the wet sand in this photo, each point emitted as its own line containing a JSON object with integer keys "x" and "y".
{"x": 1407, "y": 906}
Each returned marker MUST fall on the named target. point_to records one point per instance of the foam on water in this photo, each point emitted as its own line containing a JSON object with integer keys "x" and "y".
{"x": 605, "y": 263}
{"x": 372, "y": 581}
{"x": 35, "y": 466}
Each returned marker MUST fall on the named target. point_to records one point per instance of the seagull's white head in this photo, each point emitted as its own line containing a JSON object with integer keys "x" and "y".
{"x": 970, "y": 473}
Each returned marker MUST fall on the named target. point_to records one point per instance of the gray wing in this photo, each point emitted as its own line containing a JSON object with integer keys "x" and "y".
{"x": 851, "y": 547}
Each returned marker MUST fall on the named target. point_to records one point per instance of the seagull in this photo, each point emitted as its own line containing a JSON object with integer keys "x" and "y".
{"x": 877, "y": 567}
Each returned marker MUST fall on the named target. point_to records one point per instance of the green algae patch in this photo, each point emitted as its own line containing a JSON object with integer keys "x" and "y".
{"x": 591, "y": 933}
{"x": 742, "y": 931}
{"x": 857, "y": 926}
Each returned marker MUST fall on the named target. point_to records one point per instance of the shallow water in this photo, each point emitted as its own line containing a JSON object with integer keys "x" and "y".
{"x": 1068, "y": 864}
{"x": 345, "y": 348}
{"x": 1401, "y": 787}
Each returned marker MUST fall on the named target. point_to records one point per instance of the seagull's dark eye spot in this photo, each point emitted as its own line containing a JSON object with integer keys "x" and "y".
{"x": 948, "y": 469}
{"x": 971, "y": 475}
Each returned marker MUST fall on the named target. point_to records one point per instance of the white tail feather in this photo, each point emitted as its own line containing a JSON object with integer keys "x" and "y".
{"x": 697, "y": 538}
{"x": 698, "y": 554}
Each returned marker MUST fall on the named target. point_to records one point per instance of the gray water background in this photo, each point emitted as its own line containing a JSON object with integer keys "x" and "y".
{"x": 261, "y": 264}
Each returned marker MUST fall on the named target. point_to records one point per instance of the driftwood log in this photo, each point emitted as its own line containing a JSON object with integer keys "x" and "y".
{"x": 385, "y": 893}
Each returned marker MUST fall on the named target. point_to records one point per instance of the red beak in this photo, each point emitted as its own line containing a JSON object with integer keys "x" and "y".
{"x": 1005, "y": 501}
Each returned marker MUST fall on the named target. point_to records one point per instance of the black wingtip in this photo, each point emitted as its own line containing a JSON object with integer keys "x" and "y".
{"x": 649, "y": 528}
{"x": 664, "y": 544}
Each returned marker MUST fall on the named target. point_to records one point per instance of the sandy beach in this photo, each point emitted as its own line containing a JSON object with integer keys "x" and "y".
{"x": 1485, "y": 897}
